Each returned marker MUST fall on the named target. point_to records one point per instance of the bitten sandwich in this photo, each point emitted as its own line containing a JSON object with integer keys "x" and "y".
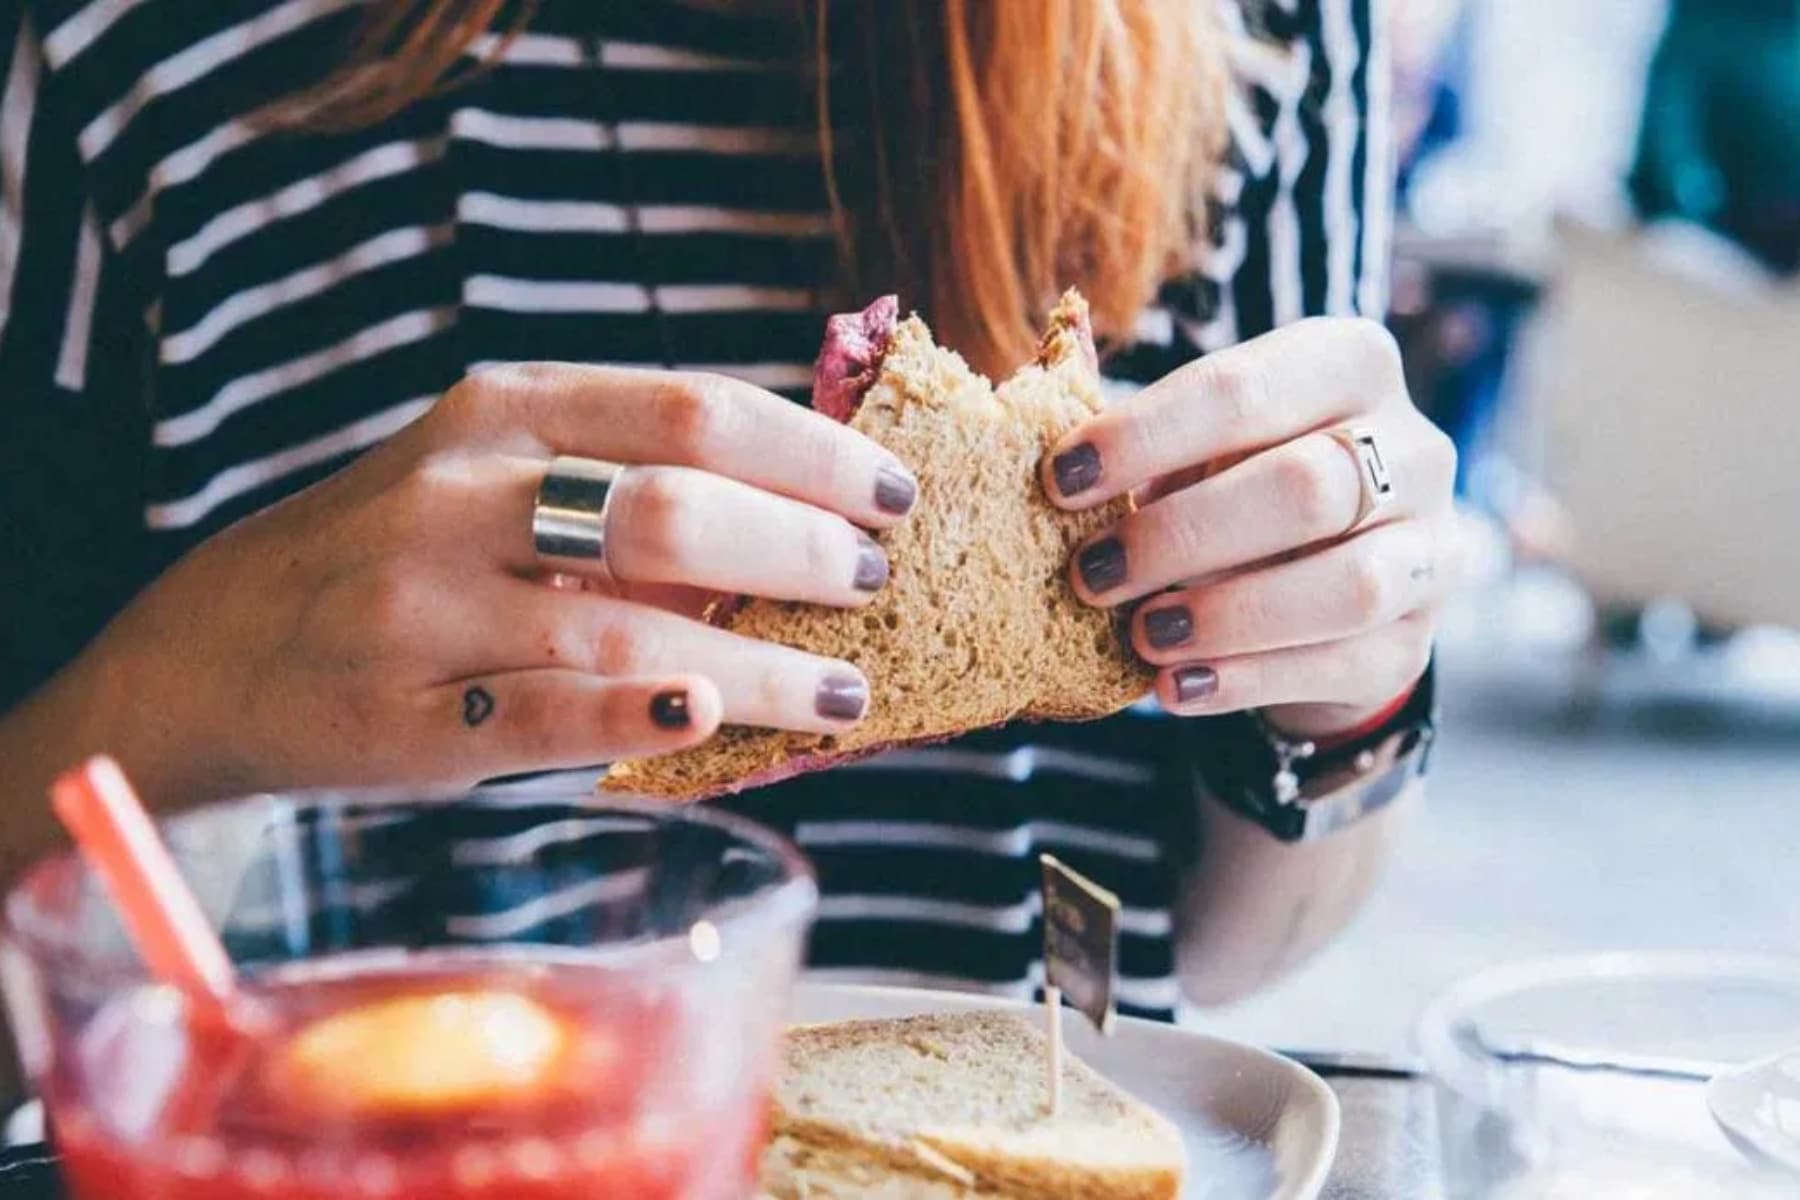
{"x": 977, "y": 625}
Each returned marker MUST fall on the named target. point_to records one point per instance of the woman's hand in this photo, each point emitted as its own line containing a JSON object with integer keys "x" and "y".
{"x": 392, "y": 624}
{"x": 1248, "y": 505}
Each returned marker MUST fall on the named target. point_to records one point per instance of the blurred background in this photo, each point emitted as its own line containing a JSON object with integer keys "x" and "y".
{"x": 1597, "y": 295}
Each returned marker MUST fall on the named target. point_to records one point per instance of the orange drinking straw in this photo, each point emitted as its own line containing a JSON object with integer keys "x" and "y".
{"x": 115, "y": 835}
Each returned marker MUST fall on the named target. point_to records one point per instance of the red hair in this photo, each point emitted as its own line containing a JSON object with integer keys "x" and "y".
{"x": 1009, "y": 150}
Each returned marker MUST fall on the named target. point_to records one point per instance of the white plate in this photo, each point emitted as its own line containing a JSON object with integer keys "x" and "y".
{"x": 1258, "y": 1126}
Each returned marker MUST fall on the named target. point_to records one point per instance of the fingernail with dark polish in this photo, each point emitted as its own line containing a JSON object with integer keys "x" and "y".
{"x": 871, "y": 565}
{"x": 1076, "y": 469}
{"x": 841, "y": 697}
{"x": 895, "y": 490}
{"x": 1102, "y": 565}
{"x": 1166, "y": 628}
{"x": 669, "y": 710}
{"x": 1195, "y": 683}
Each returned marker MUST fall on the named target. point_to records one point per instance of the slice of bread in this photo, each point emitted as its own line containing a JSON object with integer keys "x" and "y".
{"x": 977, "y": 625}
{"x": 795, "y": 1170}
{"x": 956, "y": 1105}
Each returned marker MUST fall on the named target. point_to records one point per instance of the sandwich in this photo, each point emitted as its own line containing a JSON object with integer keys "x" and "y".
{"x": 978, "y": 625}
{"x": 949, "y": 1107}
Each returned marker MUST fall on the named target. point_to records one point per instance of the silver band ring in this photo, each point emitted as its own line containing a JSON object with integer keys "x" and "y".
{"x": 568, "y": 520}
{"x": 1375, "y": 482}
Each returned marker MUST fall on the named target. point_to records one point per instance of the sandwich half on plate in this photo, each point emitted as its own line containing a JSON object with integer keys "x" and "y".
{"x": 977, "y": 625}
{"x": 949, "y": 1107}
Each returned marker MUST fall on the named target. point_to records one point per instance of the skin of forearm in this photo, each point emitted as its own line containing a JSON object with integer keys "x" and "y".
{"x": 1253, "y": 908}
{"x": 89, "y": 707}
{"x": 39, "y": 737}
{"x": 32, "y": 736}
{"x": 109, "y": 700}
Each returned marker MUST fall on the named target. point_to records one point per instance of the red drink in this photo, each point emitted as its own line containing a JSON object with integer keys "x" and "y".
{"x": 622, "y": 1046}
{"x": 436, "y": 1076}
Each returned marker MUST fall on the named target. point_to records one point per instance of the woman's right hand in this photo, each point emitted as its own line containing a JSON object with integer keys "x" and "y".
{"x": 391, "y": 624}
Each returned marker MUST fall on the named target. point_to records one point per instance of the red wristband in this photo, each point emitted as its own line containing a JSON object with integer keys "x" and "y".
{"x": 1364, "y": 728}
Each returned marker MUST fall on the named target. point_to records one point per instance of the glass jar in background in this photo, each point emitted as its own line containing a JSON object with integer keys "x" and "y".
{"x": 1586, "y": 1076}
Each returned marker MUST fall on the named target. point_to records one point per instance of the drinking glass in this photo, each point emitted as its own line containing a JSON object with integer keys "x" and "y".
{"x": 460, "y": 995}
{"x": 1586, "y": 1076}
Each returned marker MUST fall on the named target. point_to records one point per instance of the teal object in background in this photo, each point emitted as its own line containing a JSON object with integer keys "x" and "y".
{"x": 1720, "y": 142}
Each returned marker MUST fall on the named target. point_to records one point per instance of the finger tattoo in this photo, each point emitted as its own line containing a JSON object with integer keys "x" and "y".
{"x": 478, "y": 706}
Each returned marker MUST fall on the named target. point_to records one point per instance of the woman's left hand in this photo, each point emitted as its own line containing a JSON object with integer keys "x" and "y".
{"x": 1280, "y": 599}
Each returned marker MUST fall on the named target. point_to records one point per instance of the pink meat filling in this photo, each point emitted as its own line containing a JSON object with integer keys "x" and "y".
{"x": 850, "y": 358}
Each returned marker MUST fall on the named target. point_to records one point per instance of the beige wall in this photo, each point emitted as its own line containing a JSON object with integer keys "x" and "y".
{"x": 1672, "y": 411}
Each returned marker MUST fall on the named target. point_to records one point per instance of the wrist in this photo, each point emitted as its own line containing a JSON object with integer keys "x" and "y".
{"x": 49, "y": 730}
{"x": 1329, "y": 724}
{"x": 121, "y": 699}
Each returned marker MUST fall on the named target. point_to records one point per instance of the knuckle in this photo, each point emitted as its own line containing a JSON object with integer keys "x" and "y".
{"x": 1168, "y": 535}
{"x": 479, "y": 395}
{"x": 772, "y": 691}
{"x": 1232, "y": 613}
{"x": 568, "y": 643}
{"x": 1237, "y": 391}
{"x": 466, "y": 399}
{"x": 824, "y": 457}
{"x": 694, "y": 410}
{"x": 1377, "y": 346}
{"x": 527, "y": 720}
{"x": 1368, "y": 588}
{"x": 391, "y": 598}
{"x": 411, "y": 501}
{"x": 514, "y": 378}
{"x": 434, "y": 482}
{"x": 822, "y": 554}
{"x": 618, "y": 649}
{"x": 1305, "y": 480}
{"x": 660, "y": 521}
{"x": 1132, "y": 438}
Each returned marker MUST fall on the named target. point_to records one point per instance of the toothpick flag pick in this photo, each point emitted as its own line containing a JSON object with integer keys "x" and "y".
{"x": 1081, "y": 939}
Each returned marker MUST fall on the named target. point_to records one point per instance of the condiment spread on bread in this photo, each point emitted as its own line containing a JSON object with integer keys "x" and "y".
{"x": 955, "y": 1106}
{"x": 977, "y": 625}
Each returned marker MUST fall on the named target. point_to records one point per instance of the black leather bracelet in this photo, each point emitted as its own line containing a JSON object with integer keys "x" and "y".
{"x": 1299, "y": 793}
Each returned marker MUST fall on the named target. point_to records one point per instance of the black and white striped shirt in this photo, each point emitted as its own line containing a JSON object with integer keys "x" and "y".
{"x": 199, "y": 316}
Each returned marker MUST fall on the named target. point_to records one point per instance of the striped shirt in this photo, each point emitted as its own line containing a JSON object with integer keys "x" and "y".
{"x": 199, "y": 316}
